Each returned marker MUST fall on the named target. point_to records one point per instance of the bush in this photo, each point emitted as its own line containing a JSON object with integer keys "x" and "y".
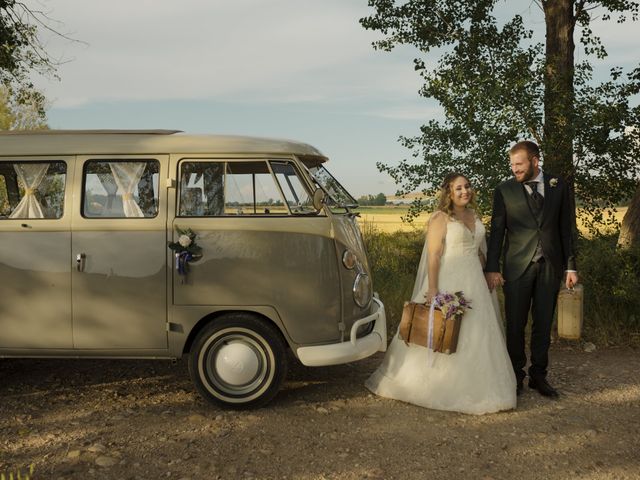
{"x": 611, "y": 279}
{"x": 394, "y": 259}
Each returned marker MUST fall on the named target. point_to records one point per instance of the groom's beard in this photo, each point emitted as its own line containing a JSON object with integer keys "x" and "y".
{"x": 528, "y": 175}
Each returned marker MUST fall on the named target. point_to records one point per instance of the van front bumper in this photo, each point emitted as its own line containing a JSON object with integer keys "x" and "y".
{"x": 353, "y": 349}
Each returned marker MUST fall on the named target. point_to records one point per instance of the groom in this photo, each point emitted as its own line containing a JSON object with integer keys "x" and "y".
{"x": 532, "y": 218}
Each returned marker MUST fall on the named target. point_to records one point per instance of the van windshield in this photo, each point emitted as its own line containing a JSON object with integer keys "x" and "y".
{"x": 338, "y": 195}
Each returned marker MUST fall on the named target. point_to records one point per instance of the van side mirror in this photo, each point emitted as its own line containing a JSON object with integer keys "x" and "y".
{"x": 318, "y": 199}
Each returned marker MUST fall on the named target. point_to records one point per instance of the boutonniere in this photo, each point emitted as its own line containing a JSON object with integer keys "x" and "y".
{"x": 553, "y": 182}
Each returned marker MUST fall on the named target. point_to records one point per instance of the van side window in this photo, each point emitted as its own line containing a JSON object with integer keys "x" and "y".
{"x": 251, "y": 190}
{"x": 229, "y": 188}
{"x": 120, "y": 189}
{"x": 298, "y": 198}
{"x": 32, "y": 190}
{"x": 201, "y": 189}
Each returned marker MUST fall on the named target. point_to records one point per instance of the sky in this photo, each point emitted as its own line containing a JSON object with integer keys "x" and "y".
{"x": 296, "y": 69}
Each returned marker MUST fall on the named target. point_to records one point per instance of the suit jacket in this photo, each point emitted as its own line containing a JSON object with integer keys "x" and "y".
{"x": 515, "y": 230}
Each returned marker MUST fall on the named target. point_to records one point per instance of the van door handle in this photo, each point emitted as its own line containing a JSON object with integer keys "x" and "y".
{"x": 80, "y": 261}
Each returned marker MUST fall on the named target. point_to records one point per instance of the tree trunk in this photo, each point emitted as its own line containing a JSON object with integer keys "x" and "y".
{"x": 558, "y": 89}
{"x": 630, "y": 230}
{"x": 557, "y": 146}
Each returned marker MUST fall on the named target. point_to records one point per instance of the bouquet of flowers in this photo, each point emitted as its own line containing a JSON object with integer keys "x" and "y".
{"x": 185, "y": 249}
{"x": 452, "y": 305}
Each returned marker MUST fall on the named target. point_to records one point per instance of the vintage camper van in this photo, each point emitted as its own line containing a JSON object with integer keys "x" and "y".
{"x": 159, "y": 244}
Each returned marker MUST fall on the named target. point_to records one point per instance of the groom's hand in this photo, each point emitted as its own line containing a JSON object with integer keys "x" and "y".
{"x": 494, "y": 279}
{"x": 572, "y": 279}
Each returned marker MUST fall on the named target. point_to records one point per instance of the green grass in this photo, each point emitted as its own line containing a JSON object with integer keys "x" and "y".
{"x": 394, "y": 261}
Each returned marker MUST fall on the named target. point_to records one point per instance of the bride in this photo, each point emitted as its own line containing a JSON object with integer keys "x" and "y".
{"x": 478, "y": 378}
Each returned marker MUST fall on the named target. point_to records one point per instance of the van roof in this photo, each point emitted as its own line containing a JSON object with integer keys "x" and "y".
{"x": 118, "y": 142}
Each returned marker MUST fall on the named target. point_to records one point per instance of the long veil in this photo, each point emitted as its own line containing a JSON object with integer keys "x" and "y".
{"x": 422, "y": 282}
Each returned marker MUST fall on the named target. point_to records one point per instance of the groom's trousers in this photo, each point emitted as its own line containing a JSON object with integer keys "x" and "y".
{"x": 536, "y": 291}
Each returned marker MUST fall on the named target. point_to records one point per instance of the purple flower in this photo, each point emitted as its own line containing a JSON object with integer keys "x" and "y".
{"x": 452, "y": 305}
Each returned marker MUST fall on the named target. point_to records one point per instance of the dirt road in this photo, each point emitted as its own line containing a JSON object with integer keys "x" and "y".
{"x": 131, "y": 419}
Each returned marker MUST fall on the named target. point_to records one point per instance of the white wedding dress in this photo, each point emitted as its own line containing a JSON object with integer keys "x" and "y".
{"x": 478, "y": 378}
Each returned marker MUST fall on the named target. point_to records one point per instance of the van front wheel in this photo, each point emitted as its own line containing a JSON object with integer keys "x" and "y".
{"x": 238, "y": 361}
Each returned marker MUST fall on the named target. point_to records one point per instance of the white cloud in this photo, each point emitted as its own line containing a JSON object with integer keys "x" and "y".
{"x": 241, "y": 50}
{"x": 275, "y": 50}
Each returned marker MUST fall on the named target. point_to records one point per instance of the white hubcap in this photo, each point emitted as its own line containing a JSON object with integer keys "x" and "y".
{"x": 237, "y": 363}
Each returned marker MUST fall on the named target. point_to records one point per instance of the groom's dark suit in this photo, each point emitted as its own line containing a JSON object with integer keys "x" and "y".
{"x": 520, "y": 227}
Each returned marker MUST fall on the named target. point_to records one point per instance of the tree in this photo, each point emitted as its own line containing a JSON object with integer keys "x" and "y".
{"x": 497, "y": 86}
{"x": 22, "y": 53}
{"x": 24, "y": 114}
{"x": 373, "y": 200}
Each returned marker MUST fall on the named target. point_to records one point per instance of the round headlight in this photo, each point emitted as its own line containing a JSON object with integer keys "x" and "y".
{"x": 362, "y": 290}
{"x": 349, "y": 259}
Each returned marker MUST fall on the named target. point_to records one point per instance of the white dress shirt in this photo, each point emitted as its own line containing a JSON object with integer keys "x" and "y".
{"x": 540, "y": 183}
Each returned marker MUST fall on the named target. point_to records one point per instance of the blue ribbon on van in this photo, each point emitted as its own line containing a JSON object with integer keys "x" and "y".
{"x": 182, "y": 262}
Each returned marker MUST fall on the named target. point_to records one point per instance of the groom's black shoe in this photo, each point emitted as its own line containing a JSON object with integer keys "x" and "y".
{"x": 542, "y": 386}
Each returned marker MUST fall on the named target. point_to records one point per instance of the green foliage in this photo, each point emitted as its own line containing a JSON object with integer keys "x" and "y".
{"x": 373, "y": 200}
{"x": 489, "y": 79}
{"x": 25, "y": 113}
{"x": 611, "y": 279}
{"x": 393, "y": 258}
{"x": 22, "y": 53}
{"x": 487, "y": 85}
{"x": 607, "y": 143}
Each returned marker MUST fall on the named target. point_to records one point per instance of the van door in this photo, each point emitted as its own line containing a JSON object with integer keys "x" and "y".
{"x": 256, "y": 250}
{"x": 119, "y": 250}
{"x": 35, "y": 240}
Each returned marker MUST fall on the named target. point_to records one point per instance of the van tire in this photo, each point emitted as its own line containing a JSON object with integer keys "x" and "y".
{"x": 238, "y": 361}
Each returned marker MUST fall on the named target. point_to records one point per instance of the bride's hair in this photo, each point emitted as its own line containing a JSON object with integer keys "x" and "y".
{"x": 445, "y": 204}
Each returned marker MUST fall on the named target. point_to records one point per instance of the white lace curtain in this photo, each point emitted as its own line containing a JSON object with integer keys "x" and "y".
{"x": 31, "y": 176}
{"x": 109, "y": 184}
{"x": 127, "y": 175}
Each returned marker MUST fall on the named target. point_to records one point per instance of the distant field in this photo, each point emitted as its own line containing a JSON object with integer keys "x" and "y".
{"x": 388, "y": 219}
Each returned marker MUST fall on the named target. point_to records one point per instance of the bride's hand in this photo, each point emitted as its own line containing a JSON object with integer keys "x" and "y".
{"x": 432, "y": 292}
{"x": 494, "y": 279}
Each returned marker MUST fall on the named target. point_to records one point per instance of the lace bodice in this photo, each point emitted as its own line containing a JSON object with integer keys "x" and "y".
{"x": 460, "y": 241}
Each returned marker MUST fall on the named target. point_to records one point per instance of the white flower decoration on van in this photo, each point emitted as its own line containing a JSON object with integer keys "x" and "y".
{"x": 185, "y": 249}
{"x": 184, "y": 240}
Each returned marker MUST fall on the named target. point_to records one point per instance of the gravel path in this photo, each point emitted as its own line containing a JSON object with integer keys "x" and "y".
{"x": 141, "y": 419}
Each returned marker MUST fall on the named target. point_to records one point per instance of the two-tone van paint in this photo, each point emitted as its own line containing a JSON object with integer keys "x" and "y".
{"x": 86, "y": 218}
